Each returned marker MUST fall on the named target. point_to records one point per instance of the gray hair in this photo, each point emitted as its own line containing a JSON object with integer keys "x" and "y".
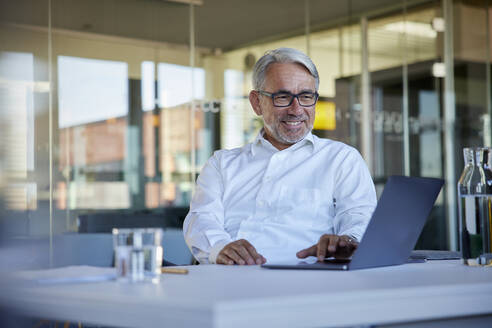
{"x": 281, "y": 55}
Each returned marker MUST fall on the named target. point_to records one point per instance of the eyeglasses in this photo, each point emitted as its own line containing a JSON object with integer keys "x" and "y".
{"x": 285, "y": 99}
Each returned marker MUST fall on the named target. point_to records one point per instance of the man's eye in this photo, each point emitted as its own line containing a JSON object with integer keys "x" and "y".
{"x": 307, "y": 96}
{"x": 282, "y": 97}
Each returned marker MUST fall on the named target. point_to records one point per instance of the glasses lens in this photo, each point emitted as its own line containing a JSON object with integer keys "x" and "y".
{"x": 307, "y": 99}
{"x": 282, "y": 99}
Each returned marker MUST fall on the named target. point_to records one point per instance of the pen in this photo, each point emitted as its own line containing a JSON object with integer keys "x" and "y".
{"x": 174, "y": 270}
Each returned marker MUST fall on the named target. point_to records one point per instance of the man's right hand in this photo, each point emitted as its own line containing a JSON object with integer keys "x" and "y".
{"x": 239, "y": 252}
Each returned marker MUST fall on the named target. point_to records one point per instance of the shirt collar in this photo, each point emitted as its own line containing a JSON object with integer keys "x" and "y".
{"x": 261, "y": 142}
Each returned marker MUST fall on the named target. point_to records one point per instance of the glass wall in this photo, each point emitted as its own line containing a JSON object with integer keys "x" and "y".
{"x": 97, "y": 113}
{"x": 114, "y": 106}
{"x": 406, "y": 104}
{"x": 25, "y": 113}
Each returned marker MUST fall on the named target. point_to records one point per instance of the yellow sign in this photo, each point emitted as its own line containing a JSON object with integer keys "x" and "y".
{"x": 325, "y": 116}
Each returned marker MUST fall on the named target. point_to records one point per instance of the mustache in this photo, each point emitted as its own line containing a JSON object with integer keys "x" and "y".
{"x": 289, "y": 117}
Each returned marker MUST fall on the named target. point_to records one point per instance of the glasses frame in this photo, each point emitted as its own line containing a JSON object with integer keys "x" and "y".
{"x": 272, "y": 95}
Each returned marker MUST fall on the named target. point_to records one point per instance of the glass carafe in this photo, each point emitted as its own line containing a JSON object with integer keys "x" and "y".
{"x": 475, "y": 206}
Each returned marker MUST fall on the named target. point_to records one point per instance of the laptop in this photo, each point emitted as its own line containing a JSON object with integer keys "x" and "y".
{"x": 395, "y": 226}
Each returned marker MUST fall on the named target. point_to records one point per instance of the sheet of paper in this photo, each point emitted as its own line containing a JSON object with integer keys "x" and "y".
{"x": 70, "y": 274}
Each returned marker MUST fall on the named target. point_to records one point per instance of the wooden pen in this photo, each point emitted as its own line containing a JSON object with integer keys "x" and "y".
{"x": 174, "y": 270}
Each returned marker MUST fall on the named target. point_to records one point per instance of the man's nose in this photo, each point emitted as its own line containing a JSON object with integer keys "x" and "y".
{"x": 295, "y": 108}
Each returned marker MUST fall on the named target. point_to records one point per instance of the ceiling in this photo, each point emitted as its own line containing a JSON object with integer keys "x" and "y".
{"x": 219, "y": 24}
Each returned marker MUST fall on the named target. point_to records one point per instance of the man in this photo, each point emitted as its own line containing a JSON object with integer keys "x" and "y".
{"x": 288, "y": 193}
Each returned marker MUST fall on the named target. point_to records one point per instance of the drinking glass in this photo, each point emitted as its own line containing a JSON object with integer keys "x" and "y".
{"x": 152, "y": 248}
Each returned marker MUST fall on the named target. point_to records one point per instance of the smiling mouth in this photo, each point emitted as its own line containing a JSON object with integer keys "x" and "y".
{"x": 292, "y": 123}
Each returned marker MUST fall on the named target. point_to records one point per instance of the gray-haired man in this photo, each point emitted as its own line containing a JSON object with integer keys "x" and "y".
{"x": 288, "y": 193}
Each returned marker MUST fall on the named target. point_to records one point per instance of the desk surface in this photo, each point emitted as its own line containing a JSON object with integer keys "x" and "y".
{"x": 250, "y": 296}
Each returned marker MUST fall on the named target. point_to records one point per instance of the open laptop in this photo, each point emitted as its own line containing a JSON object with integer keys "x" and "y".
{"x": 393, "y": 230}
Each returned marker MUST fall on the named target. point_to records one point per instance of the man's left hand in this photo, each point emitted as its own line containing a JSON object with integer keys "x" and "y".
{"x": 330, "y": 245}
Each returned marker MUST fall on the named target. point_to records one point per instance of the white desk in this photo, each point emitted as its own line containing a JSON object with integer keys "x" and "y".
{"x": 249, "y": 296}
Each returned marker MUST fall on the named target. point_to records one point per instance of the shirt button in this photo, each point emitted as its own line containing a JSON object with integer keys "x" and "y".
{"x": 261, "y": 203}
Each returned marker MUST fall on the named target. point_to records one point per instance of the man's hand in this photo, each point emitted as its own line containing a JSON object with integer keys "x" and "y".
{"x": 239, "y": 252}
{"x": 330, "y": 245}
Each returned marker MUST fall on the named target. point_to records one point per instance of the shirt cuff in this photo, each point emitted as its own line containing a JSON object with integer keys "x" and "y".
{"x": 215, "y": 250}
{"x": 352, "y": 234}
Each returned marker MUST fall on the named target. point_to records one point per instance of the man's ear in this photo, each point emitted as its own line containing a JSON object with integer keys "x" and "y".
{"x": 254, "y": 100}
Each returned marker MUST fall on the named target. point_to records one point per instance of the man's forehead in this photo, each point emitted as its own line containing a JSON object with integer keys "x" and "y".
{"x": 284, "y": 76}
{"x": 279, "y": 67}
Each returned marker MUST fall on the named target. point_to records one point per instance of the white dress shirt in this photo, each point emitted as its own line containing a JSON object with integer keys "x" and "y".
{"x": 279, "y": 201}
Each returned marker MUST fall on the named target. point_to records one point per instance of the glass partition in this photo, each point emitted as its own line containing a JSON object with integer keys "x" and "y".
{"x": 26, "y": 114}
{"x": 406, "y": 104}
{"x": 113, "y": 83}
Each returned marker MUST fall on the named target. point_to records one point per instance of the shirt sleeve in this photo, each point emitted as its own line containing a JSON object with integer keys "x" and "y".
{"x": 355, "y": 196}
{"x": 203, "y": 227}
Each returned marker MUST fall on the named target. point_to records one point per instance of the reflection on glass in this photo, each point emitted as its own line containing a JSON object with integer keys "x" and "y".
{"x": 174, "y": 84}
{"x": 17, "y": 115}
{"x": 175, "y": 152}
{"x": 419, "y": 29}
{"x": 168, "y": 134}
{"x": 148, "y": 85}
{"x": 91, "y": 90}
{"x": 235, "y": 109}
{"x": 427, "y": 128}
{"x": 93, "y": 152}
{"x": 402, "y": 38}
